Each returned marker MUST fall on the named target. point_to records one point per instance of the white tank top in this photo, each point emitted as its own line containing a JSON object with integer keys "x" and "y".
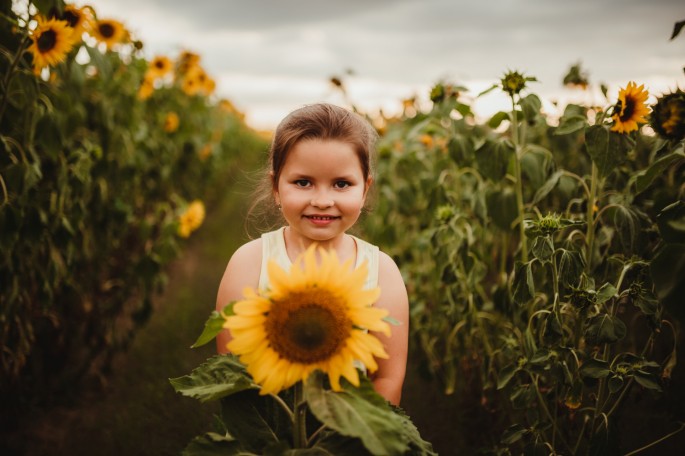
{"x": 273, "y": 247}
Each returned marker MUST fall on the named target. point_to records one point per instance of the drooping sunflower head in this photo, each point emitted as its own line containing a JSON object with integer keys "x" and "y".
{"x": 630, "y": 109}
{"x": 110, "y": 31}
{"x": 668, "y": 116}
{"x": 51, "y": 41}
{"x": 317, "y": 316}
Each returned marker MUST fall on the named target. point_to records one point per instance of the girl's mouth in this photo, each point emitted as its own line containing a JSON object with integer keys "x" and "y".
{"x": 321, "y": 219}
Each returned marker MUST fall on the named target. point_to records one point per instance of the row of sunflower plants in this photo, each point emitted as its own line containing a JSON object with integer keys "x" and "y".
{"x": 107, "y": 160}
{"x": 544, "y": 260}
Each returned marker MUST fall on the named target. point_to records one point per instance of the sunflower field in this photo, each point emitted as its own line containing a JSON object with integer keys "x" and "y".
{"x": 545, "y": 262}
{"x": 108, "y": 161}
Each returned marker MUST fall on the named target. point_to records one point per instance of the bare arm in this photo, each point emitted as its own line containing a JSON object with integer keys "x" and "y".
{"x": 389, "y": 378}
{"x": 242, "y": 271}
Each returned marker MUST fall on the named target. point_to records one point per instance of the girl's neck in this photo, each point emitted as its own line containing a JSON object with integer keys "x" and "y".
{"x": 344, "y": 245}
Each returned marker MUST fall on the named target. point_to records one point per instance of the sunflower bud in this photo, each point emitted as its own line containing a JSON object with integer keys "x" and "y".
{"x": 444, "y": 213}
{"x": 513, "y": 82}
{"x": 668, "y": 116}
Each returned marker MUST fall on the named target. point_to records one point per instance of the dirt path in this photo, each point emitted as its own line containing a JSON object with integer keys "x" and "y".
{"x": 137, "y": 412}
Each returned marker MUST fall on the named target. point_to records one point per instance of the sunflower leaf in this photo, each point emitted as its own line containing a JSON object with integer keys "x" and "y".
{"x": 364, "y": 414}
{"x": 212, "y": 444}
{"x": 213, "y": 326}
{"x": 219, "y": 376}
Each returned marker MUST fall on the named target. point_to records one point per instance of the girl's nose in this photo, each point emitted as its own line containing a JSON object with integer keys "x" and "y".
{"x": 322, "y": 200}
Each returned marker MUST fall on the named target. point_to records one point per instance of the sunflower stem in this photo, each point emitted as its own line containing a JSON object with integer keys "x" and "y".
{"x": 10, "y": 73}
{"x": 299, "y": 418}
{"x": 590, "y": 234}
{"x": 519, "y": 184}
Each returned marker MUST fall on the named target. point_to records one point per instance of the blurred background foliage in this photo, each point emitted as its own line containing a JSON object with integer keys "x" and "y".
{"x": 108, "y": 161}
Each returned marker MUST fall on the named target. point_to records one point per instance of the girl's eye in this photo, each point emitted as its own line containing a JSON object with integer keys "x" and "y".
{"x": 341, "y": 184}
{"x": 302, "y": 183}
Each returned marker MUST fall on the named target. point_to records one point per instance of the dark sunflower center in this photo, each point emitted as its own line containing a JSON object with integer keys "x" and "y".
{"x": 47, "y": 40}
{"x": 71, "y": 18}
{"x": 307, "y": 328}
{"x": 625, "y": 112}
{"x": 159, "y": 64}
{"x": 106, "y": 30}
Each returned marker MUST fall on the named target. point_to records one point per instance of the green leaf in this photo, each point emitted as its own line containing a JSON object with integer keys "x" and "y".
{"x": 213, "y": 444}
{"x": 571, "y": 267}
{"x": 501, "y": 206}
{"x": 219, "y": 376}
{"x": 607, "y": 149}
{"x": 505, "y": 375}
{"x": 671, "y": 223}
{"x": 644, "y": 178}
{"x": 615, "y": 383}
{"x": 256, "y": 421}
{"x": 594, "y": 368}
{"x": 604, "y": 329}
{"x": 543, "y": 249}
{"x": 530, "y": 105}
{"x": 493, "y": 158}
{"x": 606, "y": 292}
{"x": 496, "y": 120}
{"x": 627, "y": 223}
{"x": 570, "y": 124}
{"x": 523, "y": 285}
{"x": 361, "y": 413}
{"x": 213, "y": 326}
{"x": 647, "y": 380}
{"x": 513, "y": 434}
{"x": 548, "y": 186}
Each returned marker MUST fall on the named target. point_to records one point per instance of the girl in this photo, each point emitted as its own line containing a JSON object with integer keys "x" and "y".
{"x": 319, "y": 177}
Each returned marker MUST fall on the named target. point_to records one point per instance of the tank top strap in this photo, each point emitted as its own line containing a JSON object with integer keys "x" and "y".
{"x": 273, "y": 248}
{"x": 369, "y": 253}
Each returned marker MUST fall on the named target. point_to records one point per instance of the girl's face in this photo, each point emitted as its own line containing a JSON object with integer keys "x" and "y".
{"x": 321, "y": 189}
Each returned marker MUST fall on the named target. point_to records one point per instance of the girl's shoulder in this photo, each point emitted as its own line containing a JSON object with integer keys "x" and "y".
{"x": 248, "y": 254}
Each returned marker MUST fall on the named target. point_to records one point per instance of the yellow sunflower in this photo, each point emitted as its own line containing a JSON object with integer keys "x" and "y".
{"x": 630, "y": 109}
{"x": 52, "y": 39}
{"x": 315, "y": 317}
{"x": 160, "y": 67}
{"x": 110, "y": 32}
{"x": 191, "y": 219}
{"x": 171, "y": 122}
{"x": 146, "y": 88}
{"x": 78, "y": 19}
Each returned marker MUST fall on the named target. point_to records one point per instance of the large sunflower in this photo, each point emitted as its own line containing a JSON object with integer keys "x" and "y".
{"x": 630, "y": 109}
{"x": 110, "y": 32}
{"x": 52, "y": 39}
{"x": 315, "y": 317}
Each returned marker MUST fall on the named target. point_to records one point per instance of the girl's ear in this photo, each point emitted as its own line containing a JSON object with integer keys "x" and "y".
{"x": 367, "y": 185}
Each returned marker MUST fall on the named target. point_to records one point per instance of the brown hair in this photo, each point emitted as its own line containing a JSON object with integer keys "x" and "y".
{"x": 318, "y": 121}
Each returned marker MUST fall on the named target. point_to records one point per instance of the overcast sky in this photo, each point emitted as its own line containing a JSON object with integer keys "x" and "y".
{"x": 270, "y": 57}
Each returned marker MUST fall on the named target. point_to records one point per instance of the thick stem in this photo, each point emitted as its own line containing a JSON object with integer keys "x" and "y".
{"x": 299, "y": 418}
{"x": 519, "y": 184}
{"x": 590, "y": 234}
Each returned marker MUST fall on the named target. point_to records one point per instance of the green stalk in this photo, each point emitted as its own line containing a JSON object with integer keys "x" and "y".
{"x": 519, "y": 184}
{"x": 590, "y": 234}
{"x": 10, "y": 73}
{"x": 299, "y": 418}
